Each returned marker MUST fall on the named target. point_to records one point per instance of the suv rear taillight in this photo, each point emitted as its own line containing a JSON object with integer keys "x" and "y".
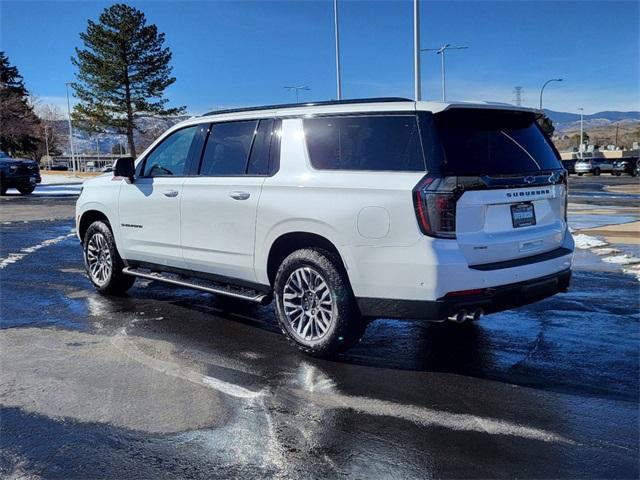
{"x": 434, "y": 199}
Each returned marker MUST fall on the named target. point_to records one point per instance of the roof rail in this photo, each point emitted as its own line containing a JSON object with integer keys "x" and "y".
{"x": 310, "y": 104}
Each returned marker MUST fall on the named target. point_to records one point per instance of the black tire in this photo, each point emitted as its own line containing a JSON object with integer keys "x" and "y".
{"x": 346, "y": 325}
{"x": 634, "y": 173}
{"x": 596, "y": 171}
{"x": 580, "y": 174}
{"x": 115, "y": 282}
{"x": 3, "y": 188}
{"x": 617, "y": 174}
{"x": 26, "y": 189}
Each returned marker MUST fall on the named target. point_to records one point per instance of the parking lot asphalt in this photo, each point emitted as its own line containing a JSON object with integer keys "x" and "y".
{"x": 171, "y": 383}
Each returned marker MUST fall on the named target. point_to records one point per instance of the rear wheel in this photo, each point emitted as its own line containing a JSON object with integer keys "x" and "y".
{"x": 617, "y": 174}
{"x": 596, "y": 171}
{"x": 26, "y": 189}
{"x": 102, "y": 261}
{"x": 3, "y": 188}
{"x": 315, "y": 306}
{"x": 580, "y": 174}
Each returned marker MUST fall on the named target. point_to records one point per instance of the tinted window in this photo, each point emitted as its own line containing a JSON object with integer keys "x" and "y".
{"x": 389, "y": 142}
{"x": 227, "y": 148}
{"x": 170, "y": 156}
{"x": 486, "y": 142}
{"x": 259, "y": 158}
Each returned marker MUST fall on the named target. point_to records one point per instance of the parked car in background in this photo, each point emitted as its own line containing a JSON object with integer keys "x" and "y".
{"x": 59, "y": 168}
{"x": 19, "y": 173}
{"x": 630, "y": 166}
{"x": 340, "y": 212}
{"x": 570, "y": 165}
{"x": 593, "y": 165}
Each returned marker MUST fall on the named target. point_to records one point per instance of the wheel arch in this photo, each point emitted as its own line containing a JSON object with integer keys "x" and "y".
{"x": 87, "y": 218}
{"x": 289, "y": 242}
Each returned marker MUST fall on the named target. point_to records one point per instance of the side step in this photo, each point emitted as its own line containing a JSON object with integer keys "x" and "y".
{"x": 200, "y": 284}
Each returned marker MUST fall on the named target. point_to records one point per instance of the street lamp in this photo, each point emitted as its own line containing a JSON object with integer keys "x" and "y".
{"x": 297, "y": 89}
{"x": 441, "y": 51}
{"x": 545, "y": 84}
{"x": 73, "y": 164}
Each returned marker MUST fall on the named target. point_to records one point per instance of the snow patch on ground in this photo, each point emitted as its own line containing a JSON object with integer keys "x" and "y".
{"x": 622, "y": 259}
{"x": 608, "y": 254}
{"x": 586, "y": 241}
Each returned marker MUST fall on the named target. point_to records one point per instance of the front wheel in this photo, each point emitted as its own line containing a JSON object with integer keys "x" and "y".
{"x": 596, "y": 172}
{"x": 315, "y": 306}
{"x": 26, "y": 189}
{"x": 580, "y": 174}
{"x": 102, "y": 261}
{"x": 617, "y": 174}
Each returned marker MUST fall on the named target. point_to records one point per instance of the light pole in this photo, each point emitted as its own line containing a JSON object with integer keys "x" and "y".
{"x": 337, "y": 38}
{"x": 581, "y": 149}
{"x": 544, "y": 85}
{"x": 297, "y": 89}
{"x": 416, "y": 51}
{"x": 73, "y": 164}
{"x": 46, "y": 142}
{"x": 441, "y": 51}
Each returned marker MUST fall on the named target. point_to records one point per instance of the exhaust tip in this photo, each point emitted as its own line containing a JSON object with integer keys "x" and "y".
{"x": 458, "y": 317}
{"x": 476, "y": 315}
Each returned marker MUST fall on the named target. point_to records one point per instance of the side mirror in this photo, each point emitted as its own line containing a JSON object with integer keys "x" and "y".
{"x": 124, "y": 167}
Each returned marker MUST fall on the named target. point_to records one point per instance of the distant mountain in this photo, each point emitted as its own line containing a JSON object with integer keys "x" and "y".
{"x": 611, "y": 116}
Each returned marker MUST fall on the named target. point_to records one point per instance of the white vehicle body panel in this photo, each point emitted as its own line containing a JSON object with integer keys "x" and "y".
{"x": 218, "y": 230}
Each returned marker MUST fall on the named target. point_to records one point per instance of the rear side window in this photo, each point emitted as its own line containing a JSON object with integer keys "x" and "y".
{"x": 169, "y": 157}
{"x": 227, "y": 149}
{"x": 378, "y": 143}
{"x": 488, "y": 142}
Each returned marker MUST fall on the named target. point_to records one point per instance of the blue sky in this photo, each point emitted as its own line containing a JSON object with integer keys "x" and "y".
{"x": 243, "y": 53}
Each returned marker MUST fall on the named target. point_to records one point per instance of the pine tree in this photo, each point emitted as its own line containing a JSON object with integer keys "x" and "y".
{"x": 19, "y": 125}
{"x": 122, "y": 72}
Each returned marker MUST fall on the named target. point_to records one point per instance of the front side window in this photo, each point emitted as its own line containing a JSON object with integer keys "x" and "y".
{"x": 377, "y": 143}
{"x": 227, "y": 149}
{"x": 169, "y": 158}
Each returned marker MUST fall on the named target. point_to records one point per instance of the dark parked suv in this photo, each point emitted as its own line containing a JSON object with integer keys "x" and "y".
{"x": 626, "y": 165}
{"x": 18, "y": 173}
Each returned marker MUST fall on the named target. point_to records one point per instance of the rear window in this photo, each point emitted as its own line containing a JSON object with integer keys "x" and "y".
{"x": 487, "y": 142}
{"x": 378, "y": 143}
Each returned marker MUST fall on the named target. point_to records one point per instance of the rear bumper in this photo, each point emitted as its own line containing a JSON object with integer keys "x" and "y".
{"x": 492, "y": 299}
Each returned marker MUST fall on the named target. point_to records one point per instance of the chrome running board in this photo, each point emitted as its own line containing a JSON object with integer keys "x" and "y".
{"x": 200, "y": 284}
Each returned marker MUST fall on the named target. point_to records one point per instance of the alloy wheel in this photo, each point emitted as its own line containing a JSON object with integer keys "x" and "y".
{"x": 99, "y": 261}
{"x": 308, "y": 304}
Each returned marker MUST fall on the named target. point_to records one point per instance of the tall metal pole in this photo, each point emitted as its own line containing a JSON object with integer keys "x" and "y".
{"x": 46, "y": 142}
{"x": 337, "y": 38}
{"x": 545, "y": 84}
{"x": 416, "y": 51}
{"x": 73, "y": 164}
{"x": 442, "y": 75}
{"x": 581, "y": 149}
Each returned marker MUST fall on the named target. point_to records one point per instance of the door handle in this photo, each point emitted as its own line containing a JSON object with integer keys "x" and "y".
{"x": 237, "y": 195}
{"x": 170, "y": 193}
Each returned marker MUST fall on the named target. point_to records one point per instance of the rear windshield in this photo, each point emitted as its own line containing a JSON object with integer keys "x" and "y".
{"x": 368, "y": 142}
{"x": 486, "y": 142}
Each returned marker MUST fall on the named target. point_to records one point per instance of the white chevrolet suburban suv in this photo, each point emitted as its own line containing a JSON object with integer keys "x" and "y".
{"x": 340, "y": 211}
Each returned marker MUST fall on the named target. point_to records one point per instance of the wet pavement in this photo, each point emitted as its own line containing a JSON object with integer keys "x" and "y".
{"x": 172, "y": 383}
